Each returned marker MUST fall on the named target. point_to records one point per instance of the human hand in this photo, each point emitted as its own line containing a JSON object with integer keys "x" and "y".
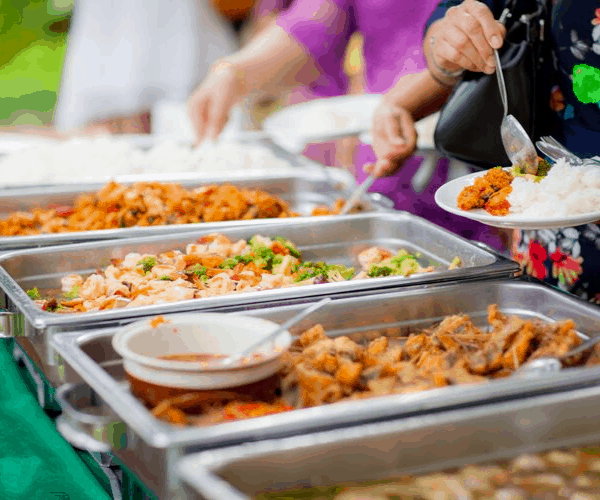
{"x": 210, "y": 103}
{"x": 465, "y": 39}
{"x": 394, "y": 139}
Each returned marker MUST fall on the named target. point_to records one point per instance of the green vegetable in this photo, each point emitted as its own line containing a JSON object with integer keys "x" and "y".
{"x": 255, "y": 244}
{"x": 228, "y": 264}
{"x": 165, "y": 278}
{"x": 245, "y": 259}
{"x": 312, "y": 270}
{"x": 147, "y": 263}
{"x": 198, "y": 270}
{"x": 294, "y": 252}
{"x": 345, "y": 272}
{"x": 34, "y": 294}
{"x": 264, "y": 257}
{"x": 543, "y": 169}
{"x": 377, "y": 271}
{"x": 73, "y": 293}
{"x": 456, "y": 262}
{"x": 408, "y": 266}
{"x": 404, "y": 264}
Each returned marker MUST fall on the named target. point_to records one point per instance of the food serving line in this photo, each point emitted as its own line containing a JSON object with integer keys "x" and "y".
{"x": 360, "y": 440}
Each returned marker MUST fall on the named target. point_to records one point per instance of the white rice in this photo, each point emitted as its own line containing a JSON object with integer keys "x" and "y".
{"x": 566, "y": 190}
{"x": 102, "y": 158}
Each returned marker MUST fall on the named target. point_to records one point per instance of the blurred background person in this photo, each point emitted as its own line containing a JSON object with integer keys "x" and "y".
{"x": 125, "y": 56}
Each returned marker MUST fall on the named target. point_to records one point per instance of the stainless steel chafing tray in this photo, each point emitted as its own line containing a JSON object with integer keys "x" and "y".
{"x": 392, "y": 449}
{"x": 104, "y": 398}
{"x": 334, "y": 239}
{"x": 303, "y": 189}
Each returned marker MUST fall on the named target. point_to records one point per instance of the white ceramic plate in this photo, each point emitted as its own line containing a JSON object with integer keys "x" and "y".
{"x": 321, "y": 120}
{"x": 446, "y": 197}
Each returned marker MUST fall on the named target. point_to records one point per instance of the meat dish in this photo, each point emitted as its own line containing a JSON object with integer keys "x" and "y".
{"x": 214, "y": 266}
{"x": 491, "y": 191}
{"x": 154, "y": 204}
{"x": 320, "y": 370}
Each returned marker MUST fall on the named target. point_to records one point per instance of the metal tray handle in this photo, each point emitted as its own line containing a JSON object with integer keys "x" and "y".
{"x": 6, "y": 324}
{"x": 81, "y": 429}
{"x": 213, "y": 487}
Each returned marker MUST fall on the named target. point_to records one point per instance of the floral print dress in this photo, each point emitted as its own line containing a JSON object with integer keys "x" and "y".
{"x": 569, "y": 258}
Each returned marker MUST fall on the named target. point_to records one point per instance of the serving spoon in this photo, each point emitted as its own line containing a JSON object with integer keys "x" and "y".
{"x": 356, "y": 195}
{"x": 517, "y": 144}
{"x": 554, "y": 364}
{"x": 234, "y": 358}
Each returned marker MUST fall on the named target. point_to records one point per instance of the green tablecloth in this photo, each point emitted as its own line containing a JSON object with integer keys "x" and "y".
{"x": 36, "y": 463}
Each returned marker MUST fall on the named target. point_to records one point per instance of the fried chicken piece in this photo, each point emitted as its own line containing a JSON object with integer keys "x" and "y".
{"x": 498, "y": 203}
{"x": 469, "y": 198}
{"x": 498, "y": 178}
{"x": 484, "y": 189}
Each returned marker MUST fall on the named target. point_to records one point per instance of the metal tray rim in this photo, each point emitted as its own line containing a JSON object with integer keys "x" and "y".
{"x": 198, "y": 470}
{"x": 41, "y": 319}
{"x": 312, "y": 173}
{"x": 384, "y": 407}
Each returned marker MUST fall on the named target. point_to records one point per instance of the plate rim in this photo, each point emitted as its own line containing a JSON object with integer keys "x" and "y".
{"x": 509, "y": 223}
{"x": 315, "y": 103}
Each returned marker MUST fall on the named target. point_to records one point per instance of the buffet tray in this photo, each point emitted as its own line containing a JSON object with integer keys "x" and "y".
{"x": 104, "y": 397}
{"x": 302, "y": 189}
{"x": 334, "y": 239}
{"x": 393, "y": 449}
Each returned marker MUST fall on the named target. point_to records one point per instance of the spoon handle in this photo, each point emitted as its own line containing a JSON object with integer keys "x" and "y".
{"x": 356, "y": 195}
{"x": 501, "y": 84}
{"x": 282, "y": 328}
{"x": 499, "y": 73}
{"x": 582, "y": 347}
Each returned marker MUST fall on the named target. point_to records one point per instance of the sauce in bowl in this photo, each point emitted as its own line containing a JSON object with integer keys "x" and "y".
{"x": 191, "y": 357}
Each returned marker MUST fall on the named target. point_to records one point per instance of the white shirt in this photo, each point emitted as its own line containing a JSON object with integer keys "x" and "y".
{"x": 124, "y": 56}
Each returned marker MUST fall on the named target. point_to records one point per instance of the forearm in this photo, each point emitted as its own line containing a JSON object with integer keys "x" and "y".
{"x": 420, "y": 94}
{"x": 272, "y": 61}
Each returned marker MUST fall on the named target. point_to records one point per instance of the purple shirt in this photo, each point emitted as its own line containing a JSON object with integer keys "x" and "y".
{"x": 392, "y": 31}
{"x": 393, "y": 36}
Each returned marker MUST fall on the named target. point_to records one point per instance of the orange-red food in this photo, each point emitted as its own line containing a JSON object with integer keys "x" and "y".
{"x": 483, "y": 191}
{"x": 152, "y": 204}
{"x": 320, "y": 370}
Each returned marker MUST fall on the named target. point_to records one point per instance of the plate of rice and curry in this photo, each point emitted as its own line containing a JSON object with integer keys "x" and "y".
{"x": 560, "y": 195}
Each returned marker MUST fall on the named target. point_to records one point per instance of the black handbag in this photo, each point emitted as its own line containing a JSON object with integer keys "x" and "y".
{"x": 469, "y": 125}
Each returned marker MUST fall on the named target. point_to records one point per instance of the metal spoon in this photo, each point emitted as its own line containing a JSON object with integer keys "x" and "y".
{"x": 356, "y": 195}
{"x": 518, "y": 145}
{"x": 550, "y": 365}
{"x": 272, "y": 336}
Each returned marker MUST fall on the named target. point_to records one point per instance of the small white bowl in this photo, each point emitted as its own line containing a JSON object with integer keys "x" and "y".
{"x": 140, "y": 345}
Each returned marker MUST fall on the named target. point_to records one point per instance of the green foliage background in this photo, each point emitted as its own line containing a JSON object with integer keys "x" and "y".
{"x": 32, "y": 47}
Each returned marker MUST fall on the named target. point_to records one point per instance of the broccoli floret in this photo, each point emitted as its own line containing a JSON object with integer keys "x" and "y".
{"x": 244, "y": 259}
{"x": 377, "y": 271}
{"x": 198, "y": 270}
{"x": 165, "y": 278}
{"x": 147, "y": 263}
{"x": 34, "y": 294}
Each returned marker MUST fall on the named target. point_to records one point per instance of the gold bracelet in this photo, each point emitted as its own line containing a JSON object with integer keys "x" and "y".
{"x": 444, "y": 72}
